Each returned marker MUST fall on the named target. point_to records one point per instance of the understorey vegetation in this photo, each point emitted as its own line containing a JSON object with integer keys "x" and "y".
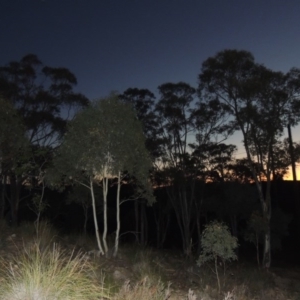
{"x": 142, "y": 178}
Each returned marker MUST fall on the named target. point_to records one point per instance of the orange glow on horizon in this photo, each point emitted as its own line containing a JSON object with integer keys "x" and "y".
{"x": 289, "y": 176}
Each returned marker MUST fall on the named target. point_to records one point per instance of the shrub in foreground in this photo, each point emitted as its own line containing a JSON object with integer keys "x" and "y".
{"x": 218, "y": 245}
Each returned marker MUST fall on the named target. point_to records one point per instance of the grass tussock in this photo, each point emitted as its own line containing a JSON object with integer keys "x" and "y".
{"x": 50, "y": 274}
{"x": 144, "y": 289}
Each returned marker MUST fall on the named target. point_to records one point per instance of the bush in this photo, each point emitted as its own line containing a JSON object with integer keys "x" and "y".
{"x": 217, "y": 244}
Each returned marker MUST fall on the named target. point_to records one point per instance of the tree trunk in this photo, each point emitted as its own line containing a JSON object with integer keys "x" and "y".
{"x": 184, "y": 229}
{"x": 144, "y": 224}
{"x": 3, "y": 195}
{"x": 137, "y": 221}
{"x": 266, "y": 208}
{"x": 95, "y": 217}
{"x": 105, "y": 190}
{"x": 15, "y": 190}
{"x": 85, "y": 212}
{"x": 162, "y": 221}
{"x": 267, "y": 250}
{"x": 296, "y": 189}
{"x": 118, "y": 217}
{"x": 198, "y": 223}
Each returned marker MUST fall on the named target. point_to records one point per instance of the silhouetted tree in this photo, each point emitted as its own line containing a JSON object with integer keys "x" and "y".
{"x": 175, "y": 123}
{"x": 14, "y": 146}
{"x": 142, "y": 101}
{"x": 261, "y": 102}
{"x": 43, "y": 97}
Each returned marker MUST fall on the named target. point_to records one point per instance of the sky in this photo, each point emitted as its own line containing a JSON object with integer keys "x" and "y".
{"x": 112, "y": 45}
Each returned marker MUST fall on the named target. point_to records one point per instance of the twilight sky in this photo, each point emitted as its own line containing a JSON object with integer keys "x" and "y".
{"x": 116, "y": 44}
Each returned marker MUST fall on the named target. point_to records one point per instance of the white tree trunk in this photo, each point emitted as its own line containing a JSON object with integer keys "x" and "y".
{"x": 118, "y": 217}
{"x": 267, "y": 250}
{"x": 95, "y": 217}
{"x": 266, "y": 206}
{"x": 105, "y": 190}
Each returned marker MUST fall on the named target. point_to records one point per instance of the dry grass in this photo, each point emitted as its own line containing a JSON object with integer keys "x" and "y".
{"x": 38, "y": 272}
{"x": 144, "y": 289}
{"x": 38, "y": 266}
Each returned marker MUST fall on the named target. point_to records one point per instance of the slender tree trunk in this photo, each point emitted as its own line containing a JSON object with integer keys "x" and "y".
{"x": 85, "y": 211}
{"x": 158, "y": 229}
{"x": 15, "y": 188}
{"x": 146, "y": 222}
{"x": 118, "y": 217}
{"x": 162, "y": 221}
{"x": 40, "y": 208}
{"x": 183, "y": 210}
{"x": 105, "y": 190}
{"x": 265, "y": 202}
{"x": 266, "y": 209}
{"x": 257, "y": 249}
{"x": 296, "y": 188}
{"x": 3, "y": 195}
{"x": 142, "y": 229}
{"x": 198, "y": 223}
{"x": 95, "y": 217}
{"x": 267, "y": 249}
{"x": 137, "y": 221}
{"x": 165, "y": 230}
{"x": 217, "y": 273}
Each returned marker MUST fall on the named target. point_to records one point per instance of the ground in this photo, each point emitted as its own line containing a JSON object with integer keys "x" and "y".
{"x": 164, "y": 273}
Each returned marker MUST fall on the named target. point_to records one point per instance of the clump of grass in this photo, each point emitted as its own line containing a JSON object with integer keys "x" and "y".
{"x": 144, "y": 289}
{"x": 50, "y": 274}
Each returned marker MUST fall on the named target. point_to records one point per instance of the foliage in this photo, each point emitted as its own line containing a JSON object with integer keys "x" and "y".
{"x": 261, "y": 103}
{"x": 217, "y": 244}
{"x": 13, "y": 142}
{"x": 279, "y": 227}
{"x": 256, "y": 227}
{"x": 44, "y": 100}
{"x": 142, "y": 101}
{"x": 103, "y": 142}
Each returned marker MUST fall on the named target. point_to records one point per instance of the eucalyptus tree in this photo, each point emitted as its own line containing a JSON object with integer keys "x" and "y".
{"x": 44, "y": 98}
{"x": 175, "y": 125}
{"x": 281, "y": 158}
{"x": 215, "y": 159}
{"x": 103, "y": 142}
{"x": 240, "y": 171}
{"x": 143, "y": 101}
{"x": 186, "y": 128}
{"x": 261, "y": 103}
{"x": 14, "y": 146}
{"x": 211, "y": 129}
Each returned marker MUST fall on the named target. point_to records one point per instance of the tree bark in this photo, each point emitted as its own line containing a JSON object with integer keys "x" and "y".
{"x": 95, "y": 217}
{"x": 118, "y": 217}
{"x": 105, "y": 190}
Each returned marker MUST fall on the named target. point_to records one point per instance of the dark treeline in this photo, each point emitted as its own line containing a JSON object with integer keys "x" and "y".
{"x": 47, "y": 128}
